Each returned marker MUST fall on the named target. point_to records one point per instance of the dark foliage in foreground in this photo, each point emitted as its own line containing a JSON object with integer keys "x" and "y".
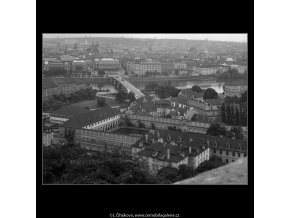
{"x": 174, "y": 175}
{"x": 73, "y": 165}
{"x": 212, "y": 163}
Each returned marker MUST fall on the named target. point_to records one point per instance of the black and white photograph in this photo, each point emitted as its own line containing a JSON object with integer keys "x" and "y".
{"x": 154, "y": 109}
{"x": 138, "y": 109}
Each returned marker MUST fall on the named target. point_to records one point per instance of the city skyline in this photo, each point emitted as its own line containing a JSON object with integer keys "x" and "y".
{"x": 212, "y": 37}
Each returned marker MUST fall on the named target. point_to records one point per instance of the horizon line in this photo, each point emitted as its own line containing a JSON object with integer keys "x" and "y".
{"x": 46, "y": 36}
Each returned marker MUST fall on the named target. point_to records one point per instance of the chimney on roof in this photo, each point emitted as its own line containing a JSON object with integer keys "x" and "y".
{"x": 190, "y": 140}
{"x": 158, "y": 134}
{"x": 189, "y": 150}
{"x": 207, "y": 142}
{"x": 146, "y": 137}
{"x": 168, "y": 153}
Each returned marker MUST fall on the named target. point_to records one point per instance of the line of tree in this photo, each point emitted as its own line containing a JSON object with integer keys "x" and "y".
{"x": 234, "y": 116}
{"x": 218, "y": 130}
{"x": 237, "y": 100}
{"x": 151, "y": 74}
{"x": 232, "y": 74}
{"x": 162, "y": 91}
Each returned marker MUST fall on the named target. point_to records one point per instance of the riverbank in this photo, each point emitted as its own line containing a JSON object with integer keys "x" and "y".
{"x": 167, "y": 78}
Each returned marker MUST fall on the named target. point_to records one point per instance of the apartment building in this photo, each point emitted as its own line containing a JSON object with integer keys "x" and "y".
{"x": 141, "y": 68}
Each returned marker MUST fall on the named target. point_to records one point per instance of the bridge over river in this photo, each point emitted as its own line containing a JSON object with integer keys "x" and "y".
{"x": 129, "y": 86}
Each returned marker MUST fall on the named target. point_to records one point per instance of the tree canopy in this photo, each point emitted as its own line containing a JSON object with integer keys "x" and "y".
{"x": 163, "y": 91}
{"x": 196, "y": 89}
{"x": 212, "y": 163}
{"x": 101, "y": 72}
{"x": 101, "y": 102}
{"x": 216, "y": 130}
{"x": 210, "y": 93}
{"x": 73, "y": 165}
{"x": 122, "y": 96}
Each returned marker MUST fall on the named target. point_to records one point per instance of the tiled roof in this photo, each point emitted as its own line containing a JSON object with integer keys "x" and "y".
{"x": 187, "y": 92}
{"x": 47, "y": 83}
{"x": 199, "y": 105}
{"x": 70, "y": 111}
{"x": 58, "y": 80}
{"x": 198, "y": 139}
{"x": 213, "y": 101}
{"x": 91, "y": 117}
{"x": 162, "y": 102}
{"x": 146, "y": 106}
{"x": 158, "y": 151}
{"x": 198, "y": 94}
{"x": 180, "y": 99}
{"x": 79, "y": 81}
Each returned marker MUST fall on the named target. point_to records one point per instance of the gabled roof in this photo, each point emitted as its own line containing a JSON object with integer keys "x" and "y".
{"x": 91, "y": 117}
{"x": 70, "y": 111}
{"x": 47, "y": 83}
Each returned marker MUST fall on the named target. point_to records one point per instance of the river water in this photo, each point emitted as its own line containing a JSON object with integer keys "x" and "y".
{"x": 218, "y": 86}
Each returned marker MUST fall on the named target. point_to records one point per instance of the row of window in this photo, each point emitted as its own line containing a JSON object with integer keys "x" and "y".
{"x": 227, "y": 146}
{"x": 227, "y": 153}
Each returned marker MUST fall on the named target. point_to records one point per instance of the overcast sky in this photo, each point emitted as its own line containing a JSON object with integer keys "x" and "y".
{"x": 214, "y": 37}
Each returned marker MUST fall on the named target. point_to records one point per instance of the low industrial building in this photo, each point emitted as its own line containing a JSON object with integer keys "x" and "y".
{"x": 105, "y": 141}
{"x": 101, "y": 119}
{"x": 65, "y": 113}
